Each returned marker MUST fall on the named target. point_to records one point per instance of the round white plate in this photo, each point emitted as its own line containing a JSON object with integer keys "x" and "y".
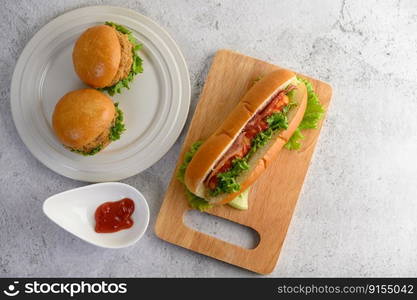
{"x": 155, "y": 107}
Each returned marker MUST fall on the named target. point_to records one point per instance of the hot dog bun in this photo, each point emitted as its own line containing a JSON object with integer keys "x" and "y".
{"x": 217, "y": 144}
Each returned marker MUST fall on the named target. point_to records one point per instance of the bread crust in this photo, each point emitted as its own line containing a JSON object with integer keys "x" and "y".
{"x": 217, "y": 144}
{"x": 83, "y": 118}
{"x": 97, "y": 55}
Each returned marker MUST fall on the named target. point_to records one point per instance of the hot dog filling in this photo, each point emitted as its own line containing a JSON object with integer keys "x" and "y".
{"x": 256, "y": 131}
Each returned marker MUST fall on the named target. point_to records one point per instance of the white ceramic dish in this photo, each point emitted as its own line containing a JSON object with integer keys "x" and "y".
{"x": 155, "y": 107}
{"x": 74, "y": 211}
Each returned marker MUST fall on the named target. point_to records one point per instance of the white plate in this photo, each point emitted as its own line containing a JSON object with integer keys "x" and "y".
{"x": 74, "y": 211}
{"x": 155, "y": 107}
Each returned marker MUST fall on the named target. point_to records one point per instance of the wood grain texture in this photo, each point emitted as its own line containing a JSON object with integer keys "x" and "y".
{"x": 274, "y": 195}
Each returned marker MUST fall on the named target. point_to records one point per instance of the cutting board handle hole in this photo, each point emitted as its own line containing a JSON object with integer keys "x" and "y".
{"x": 222, "y": 229}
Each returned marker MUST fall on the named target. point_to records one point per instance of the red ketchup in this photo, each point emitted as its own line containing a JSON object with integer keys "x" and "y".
{"x": 114, "y": 216}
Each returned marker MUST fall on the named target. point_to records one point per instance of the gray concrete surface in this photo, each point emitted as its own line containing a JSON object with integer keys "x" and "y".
{"x": 357, "y": 212}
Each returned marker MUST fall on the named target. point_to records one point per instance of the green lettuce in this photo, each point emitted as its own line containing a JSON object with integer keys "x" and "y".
{"x": 119, "y": 127}
{"x": 193, "y": 200}
{"x": 226, "y": 181}
{"x": 136, "y": 64}
{"x": 295, "y": 140}
{"x": 187, "y": 159}
{"x": 313, "y": 114}
{"x": 196, "y": 202}
{"x": 277, "y": 121}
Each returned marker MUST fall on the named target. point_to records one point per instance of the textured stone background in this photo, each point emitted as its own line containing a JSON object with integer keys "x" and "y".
{"x": 357, "y": 213}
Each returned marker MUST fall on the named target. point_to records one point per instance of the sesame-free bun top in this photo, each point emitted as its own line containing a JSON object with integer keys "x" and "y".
{"x": 81, "y": 116}
{"x": 96, "y": 56}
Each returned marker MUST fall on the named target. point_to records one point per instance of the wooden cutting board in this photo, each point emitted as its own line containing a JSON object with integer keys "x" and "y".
{"x": 272, "y": 198}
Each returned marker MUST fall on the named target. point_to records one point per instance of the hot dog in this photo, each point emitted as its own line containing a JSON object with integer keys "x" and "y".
{"x": 238, "y": 152}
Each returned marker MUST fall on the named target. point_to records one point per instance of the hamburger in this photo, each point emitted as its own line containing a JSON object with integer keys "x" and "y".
{"x": 105, "y": 57}
{"x": 86, "y": 120}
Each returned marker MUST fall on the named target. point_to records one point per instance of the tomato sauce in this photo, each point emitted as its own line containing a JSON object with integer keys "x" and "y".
{"x": 114, "y": 216}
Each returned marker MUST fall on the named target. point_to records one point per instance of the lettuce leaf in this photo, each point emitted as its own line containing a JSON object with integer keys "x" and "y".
{"x": 314, "y": 110}
{"x": 294, "y": 142}
{"x": 226, "y": 181}
{"x": 193, "y": 200}
{"x": 119, "y": 127}
{"x": 277, "y": 121}
{"x": 136, "y": 64}
{"x": 187, "y": 159}
{"x": 313, "y": 114}
{"x": 196, "y": 202}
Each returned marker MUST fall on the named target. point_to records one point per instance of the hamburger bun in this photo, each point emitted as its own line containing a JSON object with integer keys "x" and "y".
{"x": 82, "y": 120}
{"x": 102, "y": 56}
{"x": 212, "y": 150}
